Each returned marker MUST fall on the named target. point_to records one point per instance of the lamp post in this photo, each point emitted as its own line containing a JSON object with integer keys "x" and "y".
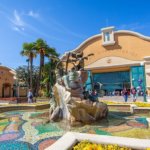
{"x": 144, "y": 82}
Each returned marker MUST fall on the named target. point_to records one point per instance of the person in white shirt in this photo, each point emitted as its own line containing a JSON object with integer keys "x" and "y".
{"x": 30, "y": 96}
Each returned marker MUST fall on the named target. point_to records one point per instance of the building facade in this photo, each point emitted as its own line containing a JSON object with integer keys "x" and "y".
{"x": 8, "y": 84}
{"x": 7, "y": 81}
{"x": 121, "y": 59}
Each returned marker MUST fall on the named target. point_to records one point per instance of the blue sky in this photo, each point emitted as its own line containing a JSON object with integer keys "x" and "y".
{"x": 64, "y": 24}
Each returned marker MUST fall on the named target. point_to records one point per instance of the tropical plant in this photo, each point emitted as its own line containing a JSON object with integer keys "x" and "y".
{"x": 46, "y": 80}
{"x": 43, "y": 50}
{"x": 52, "y": 55}
{"x": 49, "y": 77}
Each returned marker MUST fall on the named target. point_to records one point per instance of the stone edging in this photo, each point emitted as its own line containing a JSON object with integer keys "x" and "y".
{"x": 71, "y": 138}
{"x": 130, "y": 108}
{"x": 24, "y": 107}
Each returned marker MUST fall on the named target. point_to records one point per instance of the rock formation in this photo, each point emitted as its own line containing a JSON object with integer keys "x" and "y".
{"x": 68, "y": 100}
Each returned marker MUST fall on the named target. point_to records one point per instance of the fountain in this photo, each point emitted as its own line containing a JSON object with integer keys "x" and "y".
{"x": 68, "y": 100}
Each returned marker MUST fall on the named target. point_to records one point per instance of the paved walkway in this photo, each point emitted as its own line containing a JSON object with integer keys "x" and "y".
{"x": 121, "y": 99}
{"x": 108, "y": 98}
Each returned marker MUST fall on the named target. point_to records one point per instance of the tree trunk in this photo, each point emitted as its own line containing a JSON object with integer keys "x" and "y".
{"x": 31, "y": 66}
{"x": 40, "y": 71}
{"x": 28, "y": 80}
{"x": 47, "y": 87}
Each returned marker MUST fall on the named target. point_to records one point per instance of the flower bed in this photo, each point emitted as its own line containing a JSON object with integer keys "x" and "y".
{"x": 70, "y": 140}
{"x": 86, "y": 145}
{"x": 142, "y": 104}
{"x": 139, "y": 104}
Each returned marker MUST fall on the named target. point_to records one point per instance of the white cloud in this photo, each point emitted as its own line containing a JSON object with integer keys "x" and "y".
{"x": 17, "y": 19}
{"x": 33, "y": 14}
{"x": 19, "y": 30}
{"x": 15, "y": 28}
{"x": 17, "y": 22}
{"x": 132, "y": 26}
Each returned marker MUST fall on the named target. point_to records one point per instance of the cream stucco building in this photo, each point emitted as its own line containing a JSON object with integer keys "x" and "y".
{"x": 121, "y": 59}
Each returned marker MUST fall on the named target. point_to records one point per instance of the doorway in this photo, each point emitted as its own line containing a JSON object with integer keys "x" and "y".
{"x": 113, "y": 82}
{"x": 6, "y": 90}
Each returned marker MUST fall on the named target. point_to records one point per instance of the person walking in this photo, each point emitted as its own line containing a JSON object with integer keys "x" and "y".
{"x": 125, "y": 94}
{"x": 30, "y": 96}
{"x": 133, "y": 93}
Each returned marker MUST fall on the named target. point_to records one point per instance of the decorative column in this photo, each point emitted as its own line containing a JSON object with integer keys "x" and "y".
{"x": 144, "y": 81}
{"x": 147, "y": 73}
{"x": 139, "y": 79}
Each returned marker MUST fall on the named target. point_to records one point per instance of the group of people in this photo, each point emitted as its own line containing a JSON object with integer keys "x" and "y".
{"x": 133, "y": 92}
{"x": 91, "y": 95}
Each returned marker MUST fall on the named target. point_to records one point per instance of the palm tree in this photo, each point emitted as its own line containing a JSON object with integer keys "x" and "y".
{"x": 28, "y": 50}
{"x": 49, "y": 73}
{"x": 52, "y": 55}
{"x": 40, "y": 46}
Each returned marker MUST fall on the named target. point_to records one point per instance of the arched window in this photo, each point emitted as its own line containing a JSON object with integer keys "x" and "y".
{"x": 106, "y": 36}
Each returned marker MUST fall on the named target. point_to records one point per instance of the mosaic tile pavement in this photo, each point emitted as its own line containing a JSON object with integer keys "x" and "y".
{"x": 28, "y": 130}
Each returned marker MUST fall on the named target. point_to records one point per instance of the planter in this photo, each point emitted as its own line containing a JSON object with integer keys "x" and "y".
{"x": 148, "y": 99}
{"x": 67, "y": 141}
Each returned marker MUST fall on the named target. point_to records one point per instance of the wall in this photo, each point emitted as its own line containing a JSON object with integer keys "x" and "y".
{"x": 126, "y": 46}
